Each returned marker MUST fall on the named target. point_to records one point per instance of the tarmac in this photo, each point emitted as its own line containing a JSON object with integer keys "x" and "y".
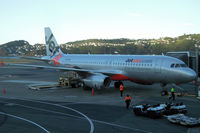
{"x": 61, "y": 110}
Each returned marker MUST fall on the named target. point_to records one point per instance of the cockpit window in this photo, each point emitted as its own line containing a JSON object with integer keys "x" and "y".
{"x": 172, "y": 65}
{"x": 178, "y": 65}
{"x": 183, "y": 65}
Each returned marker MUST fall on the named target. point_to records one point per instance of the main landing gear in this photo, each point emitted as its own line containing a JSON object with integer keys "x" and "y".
{"x": 179, "y": 90}
{"x": 118, "y": 83}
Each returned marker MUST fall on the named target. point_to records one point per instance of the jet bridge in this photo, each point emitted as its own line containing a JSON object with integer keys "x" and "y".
{"x": 192, "y": 60}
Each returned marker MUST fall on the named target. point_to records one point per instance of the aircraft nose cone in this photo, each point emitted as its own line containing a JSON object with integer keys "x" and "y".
{"x": 191, "y": 75}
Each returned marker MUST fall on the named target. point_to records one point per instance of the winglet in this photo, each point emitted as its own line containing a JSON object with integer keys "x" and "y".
{"x": 2, "y": 64}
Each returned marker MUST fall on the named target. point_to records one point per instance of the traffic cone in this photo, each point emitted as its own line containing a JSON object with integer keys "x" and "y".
{"x": 92, "y": 91}
{"x": 2, "y": 64}
{"x": 193, "y": 82}
{"x": 4, "y": 91}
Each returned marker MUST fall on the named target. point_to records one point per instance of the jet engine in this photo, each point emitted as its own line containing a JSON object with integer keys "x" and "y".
{"x": 97, "y": 81}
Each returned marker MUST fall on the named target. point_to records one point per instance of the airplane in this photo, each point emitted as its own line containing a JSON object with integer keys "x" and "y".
{"x": 98, "y": 71}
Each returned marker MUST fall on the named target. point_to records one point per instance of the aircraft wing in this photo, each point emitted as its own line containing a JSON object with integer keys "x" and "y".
{"x": 35, "y": 58}
{"x": 43, "y": 58}
{"x": 106, "y": 72}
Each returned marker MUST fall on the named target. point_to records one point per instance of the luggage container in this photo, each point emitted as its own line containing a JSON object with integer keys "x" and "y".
{"x": 141, "y": 109}
{"x": 156, "y": 111}
{"x": 175, "y": 109}
{"x": 183, "y": 120}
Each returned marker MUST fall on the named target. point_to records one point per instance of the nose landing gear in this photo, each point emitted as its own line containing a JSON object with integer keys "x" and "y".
{"x": 164, "y": 91}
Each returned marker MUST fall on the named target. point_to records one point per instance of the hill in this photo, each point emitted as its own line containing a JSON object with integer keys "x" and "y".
{"x": 107, "y": 46}
{"x": 21, "y": 48}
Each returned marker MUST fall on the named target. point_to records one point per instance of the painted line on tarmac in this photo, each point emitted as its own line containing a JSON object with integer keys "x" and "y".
{"x": 28, "y": 82}
{"x": 188, "y": 131}
{"x": 100, "y": 103}
{"x": 41, "y": 109}
{"x": 65, "y": 114}
{"x": 58, "y": 105}
{"x": 29, "y": 121}
{"x": 112, "y": 124}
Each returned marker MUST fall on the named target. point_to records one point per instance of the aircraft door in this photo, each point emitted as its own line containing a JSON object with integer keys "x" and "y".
{"x": 157, "y": 66}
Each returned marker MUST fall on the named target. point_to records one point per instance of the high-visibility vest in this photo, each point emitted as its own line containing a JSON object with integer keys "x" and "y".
{"x": 121, "y": 87}
{"x": 172, "y": 90}
{"x": 127, "y": 98}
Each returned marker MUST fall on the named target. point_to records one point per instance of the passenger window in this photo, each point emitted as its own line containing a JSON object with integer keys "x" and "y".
{"x": 177, "y": 65}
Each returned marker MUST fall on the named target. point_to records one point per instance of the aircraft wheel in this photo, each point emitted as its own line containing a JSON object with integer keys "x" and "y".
{"x": 86, "y": 87}
{"x": 117, "y": 84}
{"x": 74, "y": 85}
{"x": 164, "y": 93}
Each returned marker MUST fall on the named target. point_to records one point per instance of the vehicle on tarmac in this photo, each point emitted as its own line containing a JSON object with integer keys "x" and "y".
{"x": 97, "y": 71}
{"x": 184, "y": 120}
{"x": 158, "y": 110}
{"x": 72, "y": 82}
{"x": 155, "y": 111}
{"x": 177, "y": 108}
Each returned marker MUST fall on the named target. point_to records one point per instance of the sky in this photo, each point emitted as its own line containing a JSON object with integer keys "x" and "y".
{"x": 72, "y": 20}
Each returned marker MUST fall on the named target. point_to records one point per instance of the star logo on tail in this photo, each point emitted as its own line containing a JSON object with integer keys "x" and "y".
{"x": 56, "y": 59}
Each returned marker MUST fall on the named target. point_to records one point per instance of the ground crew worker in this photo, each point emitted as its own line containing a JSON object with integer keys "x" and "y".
{"x": 172, "y": 94}
{"x": 121, "y": 88}
{"x": 92, "y": 91}
{"x": 127, "y": 101}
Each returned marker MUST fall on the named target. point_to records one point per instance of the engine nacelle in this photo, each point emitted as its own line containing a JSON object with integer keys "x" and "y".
{"x": 97, "y": 81}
